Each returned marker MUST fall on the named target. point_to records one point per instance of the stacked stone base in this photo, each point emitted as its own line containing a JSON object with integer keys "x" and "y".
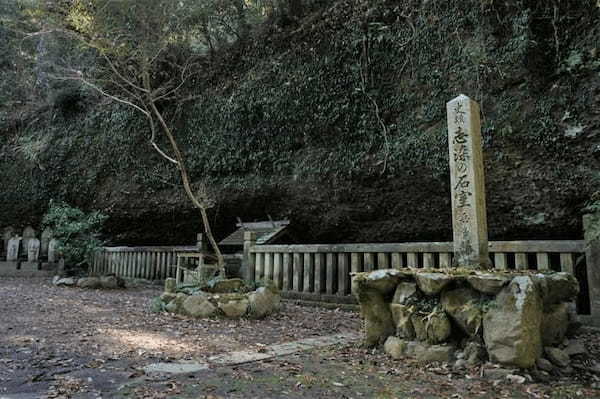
{"x": 227, "y": 298}
{"x": 514, "y": 319}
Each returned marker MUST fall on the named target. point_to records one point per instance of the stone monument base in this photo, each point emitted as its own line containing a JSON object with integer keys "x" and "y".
{"x": 512, "y": 318}
{"x": 29, "y": 266}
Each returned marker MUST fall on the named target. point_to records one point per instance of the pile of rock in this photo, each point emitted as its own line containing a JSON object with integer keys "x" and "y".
{"x": 106, "y": 282}
{"x": 512, "y": 318}
{"x": 229, "y": 298}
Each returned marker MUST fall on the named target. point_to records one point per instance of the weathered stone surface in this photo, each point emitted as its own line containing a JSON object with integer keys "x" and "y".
{"x": 234, "y": 308}
{"x": 555, "y": 324}
{"x": 112, "y": 282}
{"x": 433, "y": 283}
{"x": 426, "y": 353}
{"x": 557, "y": 287}
{"x": 419, "y": 322}
{"x": 370, "y": 290}
{"x": 575, "y": 348}
{"x": 175, "y": 368}
{"x": 383, "y": 281}
{"x": 461, "y": 306}
{"x": 170, "y": 285}
{"x": 544, "y": 364}
{"x": 497, "y": 373}
{"x": 404, "y": 292}
{"x": 557, "y": 356}
{"x": 474, "y": 353}
{"x": 489, "y": 284}
{"x": 401, "y": 314}
{"x": 438, "y": 327}
{"x": 262, "y": 302}
{"x": 395, "y": 347}
{"x": 512, "y": 328}
{"x": 198, "y": 306}
{"x": 224, "y": 286}
{"x": 171, "y": 307}
{"x": 66, "y": 281}
{"x": 167, "y": 297}
{"x": 89, "y": 282}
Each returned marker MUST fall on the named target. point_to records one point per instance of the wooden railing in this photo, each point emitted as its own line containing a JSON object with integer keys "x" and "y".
{"x": 326, "y": 268}
{"x": 150, "y": 263}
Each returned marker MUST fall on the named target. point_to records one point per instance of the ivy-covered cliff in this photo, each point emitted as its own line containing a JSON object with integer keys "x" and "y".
{"x": 336, "y": 120}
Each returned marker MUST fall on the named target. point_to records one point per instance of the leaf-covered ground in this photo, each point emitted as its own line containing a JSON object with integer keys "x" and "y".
{"x": 67, "y": 342}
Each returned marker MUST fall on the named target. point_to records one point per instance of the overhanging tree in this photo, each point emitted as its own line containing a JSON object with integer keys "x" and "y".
{"x": 146, "y": 57}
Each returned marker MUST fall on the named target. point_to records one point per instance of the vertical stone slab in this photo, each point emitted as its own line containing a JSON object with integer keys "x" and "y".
{"x": 33, "y": 250}
{"x": 331, "y": 271}
{"x": 383, "y": 260}
{"x": 277, "y": 270}
{"x": 268, "y": 266}
{"x": 469, "y": 221}
{"x": 369, "y": 262}
{"x": 288, "y": 272}
{"x": 591, "y": 227}
{"x": 397, "y": 261}
{"x": 7, "y": 234}
{"x": 45, "y": 241}
{"x": 248, "y": 267}
{"x": 12, "y": 252}
{"x": 28, "y": 234}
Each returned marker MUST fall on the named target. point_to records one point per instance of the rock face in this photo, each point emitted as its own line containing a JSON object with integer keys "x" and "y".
{"x": 488, "y": 283}
{"x": 401, "y": 314}
{"x": 405, "y": 292}
{"x": 461, "y": 306}
{"x": 371, "y": 290}
{"x": 234, "y": 308}
{"x": 395, "y": 347}
{"x": 512, "y": 328}
{"x": 198, "y": 307}
{"x": 557, "y": 356}
{"x": 262, "y": 302}
{"x": 65, "y": 281}
{"x": 555, "y": 323}
{"x": 224, "y": 286}
{"x": 170, "y": 285}
{"x": 111, "y": 282}
{"x": 89, "y": 282}
{"x": 557, "y": 287}
{"x": 433, "y": 283}
{"x": 438, "y": 328}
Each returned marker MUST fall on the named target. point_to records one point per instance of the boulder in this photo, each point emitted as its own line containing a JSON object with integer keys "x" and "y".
{"x": 198, "y": 306}
{"x": 512, "y": 327}
{"x": 555, "y": 323}
{"x": 425, "y": 353}
{"x": 404, "y": 292}
{"x": 167, "y": 297}
{"x": 234, "y": 308}
{"x": 433, "y": 283}
{"x": 497, "y": 373}
{"x": 65, "y": 281}
{"x": 89, "y": 282}
{"x": 111, "y": 282}
{"x": 171, "y": 307}
{"x": 575, "y": 348}
{"x": 489, "y": 284}
{"x": 263, "y": 302}
{"x": 383, "y": 281}
{"x": 419, "y": 322}
{"x": 438, "y": 327}
{"x": 224, "y": 286}
{"x": 371, "y": 290}
{"x": 395, "y": 347}
{"x": 401, "y": 314}
{"x": 557, "y": 287}
{"x": 461, "y": 305}
{"x": 170, "y": 285}
{"x": 544, "y": 364}
{"x": 557, "y": 356}
{"x": 474, "y": 353}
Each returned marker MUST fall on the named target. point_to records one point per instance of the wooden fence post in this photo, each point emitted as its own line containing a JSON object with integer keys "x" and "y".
{"x": 248, "y": 260}
{"x": 591, "y": 228}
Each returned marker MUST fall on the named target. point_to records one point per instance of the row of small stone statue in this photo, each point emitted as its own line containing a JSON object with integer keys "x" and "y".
{"x": 36, "y": 249}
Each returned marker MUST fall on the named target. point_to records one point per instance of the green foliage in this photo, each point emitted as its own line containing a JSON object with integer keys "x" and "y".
{"x": 77, "y": 232}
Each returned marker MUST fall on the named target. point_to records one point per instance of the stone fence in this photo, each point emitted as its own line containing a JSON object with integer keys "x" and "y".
{"x": 26, "y": 255}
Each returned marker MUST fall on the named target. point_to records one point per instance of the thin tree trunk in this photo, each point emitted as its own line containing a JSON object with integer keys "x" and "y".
{"x": 186, "y": 182}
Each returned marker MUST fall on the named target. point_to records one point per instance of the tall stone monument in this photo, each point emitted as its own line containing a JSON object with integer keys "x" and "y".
{"x": 52, "y": 249}
{"x": 12, "y": 253}
{"x": 469, "y": 221}
{"x": 33, "y": 250}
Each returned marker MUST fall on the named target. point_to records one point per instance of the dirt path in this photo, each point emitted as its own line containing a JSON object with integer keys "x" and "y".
{"x": 72, "y": 343}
